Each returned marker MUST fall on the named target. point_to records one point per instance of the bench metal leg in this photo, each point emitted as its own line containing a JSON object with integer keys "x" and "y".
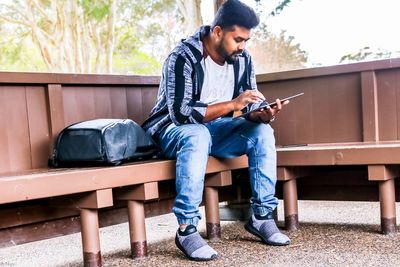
{"x": 388, "y": 206}
{"x": 137, "y": 229}
{"x": 90, "y": 238}
{"x": 290, "y": 204}
{"x": 212, "y": 213}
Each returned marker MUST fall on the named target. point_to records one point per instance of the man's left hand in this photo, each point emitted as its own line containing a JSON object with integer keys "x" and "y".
{"x": 266, "y": 115}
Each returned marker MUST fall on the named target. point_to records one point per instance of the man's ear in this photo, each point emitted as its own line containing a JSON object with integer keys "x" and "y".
{"x": 217, "y": 31}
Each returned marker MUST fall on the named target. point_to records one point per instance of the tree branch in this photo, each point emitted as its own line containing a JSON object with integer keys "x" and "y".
{"x": 14, "y": 21}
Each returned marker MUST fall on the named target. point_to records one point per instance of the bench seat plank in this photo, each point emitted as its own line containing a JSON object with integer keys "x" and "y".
{"x": 339, "y": 154}
{"x": 57, "y": 182}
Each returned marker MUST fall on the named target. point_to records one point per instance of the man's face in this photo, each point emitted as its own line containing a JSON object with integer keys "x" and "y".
{"x": 232, "y": 43}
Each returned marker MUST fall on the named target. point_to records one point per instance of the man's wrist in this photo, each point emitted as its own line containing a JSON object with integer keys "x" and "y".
{"x": 271, "y": 120}
{"x": 268, "y": 121}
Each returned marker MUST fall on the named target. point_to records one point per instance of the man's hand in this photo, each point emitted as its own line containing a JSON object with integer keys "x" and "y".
{"x": 266, "y": 115}
{"x": 245, "y": 98}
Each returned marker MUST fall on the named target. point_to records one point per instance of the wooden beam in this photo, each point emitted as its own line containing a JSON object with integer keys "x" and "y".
{"x": 382, "y": 172}
{"x": 219, "y": 179}
{"x": 141, "y": 192}
{"x": 91, "y": 200}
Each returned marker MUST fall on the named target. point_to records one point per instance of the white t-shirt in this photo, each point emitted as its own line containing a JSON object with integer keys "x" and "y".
{"x": 218, "y": 82}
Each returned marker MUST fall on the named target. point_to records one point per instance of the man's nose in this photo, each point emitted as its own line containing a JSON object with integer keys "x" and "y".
{"x": 241, "y": 46}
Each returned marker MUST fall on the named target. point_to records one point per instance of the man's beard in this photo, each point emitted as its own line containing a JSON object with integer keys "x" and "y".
{"x": 229, "y": 58}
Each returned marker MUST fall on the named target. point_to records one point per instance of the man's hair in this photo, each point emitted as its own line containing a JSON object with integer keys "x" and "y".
{"x": 234, "y": 12}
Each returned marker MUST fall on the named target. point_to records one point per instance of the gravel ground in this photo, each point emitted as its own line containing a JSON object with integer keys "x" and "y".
{"x": 331, "y": 234}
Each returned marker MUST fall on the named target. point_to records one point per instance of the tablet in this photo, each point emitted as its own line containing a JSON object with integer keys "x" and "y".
{"x": 264, "y": 104}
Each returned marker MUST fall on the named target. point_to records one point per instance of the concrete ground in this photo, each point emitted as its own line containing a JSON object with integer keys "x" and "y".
{"x": 331, "y": 234}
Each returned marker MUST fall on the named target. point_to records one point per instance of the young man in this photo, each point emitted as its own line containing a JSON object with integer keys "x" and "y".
{"x": 205, "y": 79}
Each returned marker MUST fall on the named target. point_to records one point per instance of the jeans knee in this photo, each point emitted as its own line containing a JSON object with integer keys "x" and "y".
{"x": 264, "y": 136}
{"x": 198, "y": 137}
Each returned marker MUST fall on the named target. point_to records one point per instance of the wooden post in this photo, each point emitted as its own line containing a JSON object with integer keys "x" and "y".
{"x": 136, "y": 195}
{"x": 388, "y": 206}
{"x": 88, "y": 203}
{"x": 290, "y": 198}
{"x": 90, "y": 238}
{"x": 211, "y": 200}
{"x": 385, "y": 175}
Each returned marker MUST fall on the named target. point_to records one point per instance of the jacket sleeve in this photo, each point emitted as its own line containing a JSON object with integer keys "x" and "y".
{"x": 179, "y": 84}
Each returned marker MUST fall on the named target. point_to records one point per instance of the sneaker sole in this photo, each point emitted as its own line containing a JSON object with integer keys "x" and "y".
{"x": 193, "y": 258}
{"x": 249, "y": 228}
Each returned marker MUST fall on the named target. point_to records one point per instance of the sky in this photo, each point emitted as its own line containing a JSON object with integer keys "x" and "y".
{"x": 329, "y": 29}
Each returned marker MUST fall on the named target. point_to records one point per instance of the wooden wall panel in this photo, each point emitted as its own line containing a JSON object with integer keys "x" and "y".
{"x": 4, "y": 150}
{"x": 388, "y": 83}
{"x": 102, "y": 102}
{"x": 79, "y": 104}
{"x": 134, "y": 103}
{"x": 39, "y": 135}
{"x": 119, "y": 108}
{"x": 330, "y": 111}
{"x": 15, "y": 145}
{"x": 86, "y": 103}
{"x": 149, "y": 96}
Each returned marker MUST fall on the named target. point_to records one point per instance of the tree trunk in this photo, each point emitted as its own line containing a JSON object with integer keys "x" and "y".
{"x": 217, "y": 5}
{"x": 110, "y": 37}
{"x": 191, "y": 12}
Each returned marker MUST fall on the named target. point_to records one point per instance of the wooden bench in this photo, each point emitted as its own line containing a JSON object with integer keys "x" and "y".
{"x": 90, "y": 189}
{"x": 382, "y": 162}
{"x": 348, "y": 120}
{"x": 36, "y": 107}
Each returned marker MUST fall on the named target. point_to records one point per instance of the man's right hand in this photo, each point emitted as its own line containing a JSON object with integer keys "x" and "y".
{"x": 247, "y": 97}
{"x": 221, "y": 109}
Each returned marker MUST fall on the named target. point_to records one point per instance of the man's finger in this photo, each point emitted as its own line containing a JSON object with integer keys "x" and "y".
{"x": 278, "y": 104}
{"x": 257, "y": 94}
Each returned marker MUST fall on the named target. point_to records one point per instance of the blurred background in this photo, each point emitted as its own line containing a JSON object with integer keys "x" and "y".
{"x": 135, "y": 36}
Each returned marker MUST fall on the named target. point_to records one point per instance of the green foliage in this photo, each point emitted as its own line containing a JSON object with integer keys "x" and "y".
{"x": 16, "y": 56}
{"x": 136, "y": 62}
{"x": 96, "y": 9}
{"x": 279, "y": 8}
{"x": 46, "y": 3}
{"x": 138, "y": 25}
{"x": 367, "y": 53}
{"x": 145, "y": 32}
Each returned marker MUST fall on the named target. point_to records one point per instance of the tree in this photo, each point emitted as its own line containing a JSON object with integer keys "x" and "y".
{"x": 279, "y": 8}
{"x": 367, "y": 53}
{"x": 217, "y": 4}
{"x": 85, "y": 36}
{"x": 100, "y": 36}
{"x": 70, "y": 35}
{"x": 191, "y": 13}
{"x": 273, "y": 53}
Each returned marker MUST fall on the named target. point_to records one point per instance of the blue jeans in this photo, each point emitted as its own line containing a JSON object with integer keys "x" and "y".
{"x": 191, "y": 144}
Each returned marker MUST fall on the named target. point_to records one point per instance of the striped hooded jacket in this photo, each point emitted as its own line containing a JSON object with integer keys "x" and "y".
{"x": 178, "y": 99}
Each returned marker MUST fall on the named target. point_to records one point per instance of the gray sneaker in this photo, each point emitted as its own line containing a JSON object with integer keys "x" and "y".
{"x": 193, "y": 245}
{"x": 267, "y": 231}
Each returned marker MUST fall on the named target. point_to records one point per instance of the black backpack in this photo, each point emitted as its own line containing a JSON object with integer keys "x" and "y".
{"x": 102, "y": 142}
